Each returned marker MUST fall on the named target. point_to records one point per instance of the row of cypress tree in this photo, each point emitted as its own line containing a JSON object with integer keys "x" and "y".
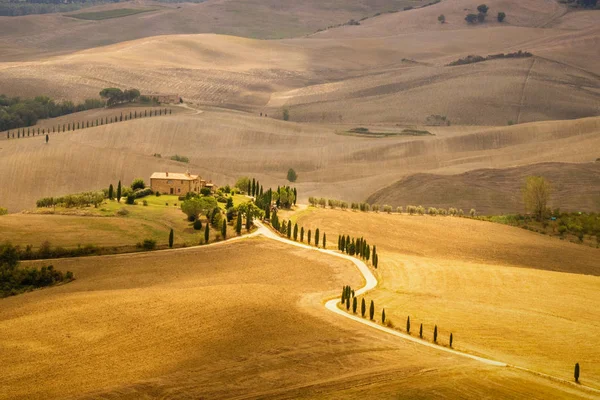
{"x": 349, "y": 300}
{"x": 81, "y": 125}
{"x": 294, "y": 232}
{"x": 358, "y": 247}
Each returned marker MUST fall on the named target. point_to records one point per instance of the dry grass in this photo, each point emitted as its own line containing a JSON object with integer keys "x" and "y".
{"x": 203, "y": 323}
{"x": 494, "y": 287}
{"x": 575, "y": 187}
{"x": 355, "y": 74}
{"x": 223, "y": 145}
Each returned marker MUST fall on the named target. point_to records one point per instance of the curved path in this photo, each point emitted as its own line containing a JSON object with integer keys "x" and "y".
{"x": 371, "y": 282}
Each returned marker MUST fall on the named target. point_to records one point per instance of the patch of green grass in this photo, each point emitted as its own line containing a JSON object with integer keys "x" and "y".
{"x": 108, "y": 14}
{"x": 361, "y": 131}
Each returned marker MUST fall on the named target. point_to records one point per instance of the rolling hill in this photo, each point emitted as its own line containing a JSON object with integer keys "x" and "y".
{"x": 223, "y": 145}
{"x": 575, "y": 187}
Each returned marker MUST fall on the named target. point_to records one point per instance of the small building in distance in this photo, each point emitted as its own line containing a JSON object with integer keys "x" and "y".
{"x": 178, "y": 183}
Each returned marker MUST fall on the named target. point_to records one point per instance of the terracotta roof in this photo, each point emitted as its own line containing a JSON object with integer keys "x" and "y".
{"x": 174, "y": 175}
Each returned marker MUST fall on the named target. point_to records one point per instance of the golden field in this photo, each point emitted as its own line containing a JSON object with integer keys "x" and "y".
{"x": 224, "y": 145}
{"x": 512, "y": 295}
{"x": 223, "y": 322}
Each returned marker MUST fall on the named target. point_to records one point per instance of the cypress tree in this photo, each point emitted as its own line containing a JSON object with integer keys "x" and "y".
{"x": 375, "y": 260}
{"x": 283, "y": 227}
{"x": 129, "y": 114}
{"x": 451, "y": 339}
{"x": 354, "y": 305}
{"x": 238, "y": 224}
{"x": 121, "y": 116}
{"x": 206, "y": 232}
{"x": 261, "y": 190}
{"x": 339, "y": 242}
{"x": 343, "y": 243}
{"x": 383, "y": 316}
{"x": 119, "y": 192}
{"x": 135, "y": 114}
{"x": 324, "y": 240}
{"x": 295, "y": 232}
{"x": 343, "y": 294}
{"x": 374, "y": 252}
{"x": 253, "y": 187}
{"x": 46, "y": 138}
{"x": 309, "y": 233}
{"x": 111, "y": 194}
{"x": 347, "y": 243}
{"x": 145, "y": 113}
{"x": 372, "y": 311}
{"x": 317, "y": 237}
{"x": 368, "y": 253}
{"x": 171, "y": 238}
{"x": 421, "y": 331}
{"x": 408, "y": 324}
{"x": 302, "y": 234}
{"x": 435, "y": 334}
{"x": 348, "y": 303}
{"x": 363, "y": 307}
{"x": 224, "y": 229}
{"x": 295, "y": 195}
{"x": 248, "y": 221}
{"x": 576, "y": 374}
{"x": 289, "y": 230}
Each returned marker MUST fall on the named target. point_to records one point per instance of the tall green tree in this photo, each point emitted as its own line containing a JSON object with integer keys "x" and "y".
{"x": 348, "y": 303}
{"x": 408, "y": 324}
{"x": 171, "y": 238}
{"x": 295, "y": 232}
{"x": 363, "y": 307}
{"x": 206, "y": 232}
{"x": 451, "y": 339}
{"x": 383, "y": 316}
{"x": 253, "y": 187}
{"x": 576, "y": 373}
{"x": 372, "y": 310}
{"x": 317, "y": 237}
{"x": 309, "y": 233}
{"x": 289, "y": 230}
{"x": 224, "y": 229}
{"x": 238, "y": 224}
{"x": 354, "y": 305}
{"x": 47, "y": 138}
{"x": 302, "y": 234}
{"x": 435, "y": 334}
{"x": 421, "y": 331}
{"x": 119, "y": 192}
{"x": 324, "y": 240}
{"x": 292, "y": 176}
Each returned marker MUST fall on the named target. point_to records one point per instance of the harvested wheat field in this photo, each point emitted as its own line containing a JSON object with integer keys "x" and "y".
{"x": 224, "y": 145}
{"x": 503, "y": 292}
{"x": 392, "y": 68}
{"x": 223, "y": 322}
{"x": 575, "y": 187}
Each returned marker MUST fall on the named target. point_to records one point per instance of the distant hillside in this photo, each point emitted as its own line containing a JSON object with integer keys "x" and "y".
{"x": 576, "y": 187}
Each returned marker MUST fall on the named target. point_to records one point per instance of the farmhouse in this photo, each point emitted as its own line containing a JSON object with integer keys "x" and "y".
{"x": 177, "y": 183}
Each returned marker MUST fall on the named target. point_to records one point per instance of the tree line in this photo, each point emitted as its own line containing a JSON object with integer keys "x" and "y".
{"x": 72, "y": 126}
{"x": 17, "y": 113}
{"x": 15, "y": 279}
{"x": 358, "y": 247}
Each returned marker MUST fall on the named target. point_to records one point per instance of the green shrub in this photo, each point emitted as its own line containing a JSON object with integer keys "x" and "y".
{"x": 197, "y": 225}
{"x": 149, "y": 244}
{"x": 3, "y": 211}
{"x": 179, "y": 158}
{"x": 138, "y": 183}
{"x": 130, "y": 199}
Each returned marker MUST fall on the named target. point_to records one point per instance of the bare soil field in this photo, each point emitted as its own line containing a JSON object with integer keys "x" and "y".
{"x": 391, "y": 68}
{"x": 223, "y": 322}
{"x": 575, "y": 187}
{"x": 503, "y": 292}
{"x": 223, "y": 145}
{"x": 271, "y": 19}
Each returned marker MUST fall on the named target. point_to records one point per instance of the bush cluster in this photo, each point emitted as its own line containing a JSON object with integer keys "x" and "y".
{"x": 73, "y": 200}
{"x": 470, "y": 59}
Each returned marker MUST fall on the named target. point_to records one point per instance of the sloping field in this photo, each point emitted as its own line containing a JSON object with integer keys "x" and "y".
{"x": 496, "y": 288}
{"x": 28, "y": 37}
{"x": 575, "y": 187}
{"x": 222, "y": 146}
{"x": 203, "y": 323}
{"x": 368, "y": 73}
